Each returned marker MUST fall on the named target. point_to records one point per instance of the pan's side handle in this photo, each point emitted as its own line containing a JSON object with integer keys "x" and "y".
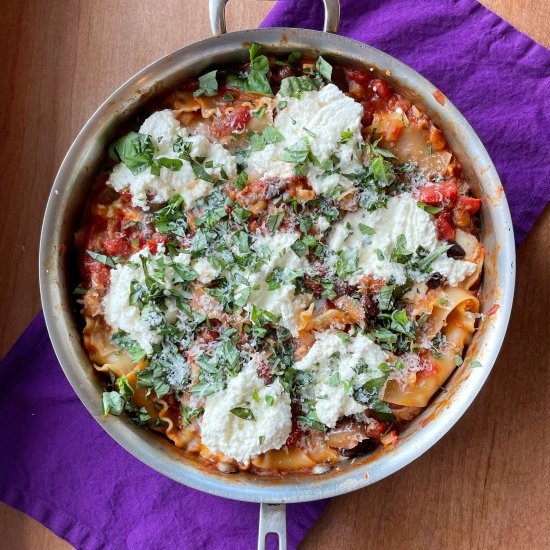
{"x": 217, "y": 16}
{"x": 272, "y": 520}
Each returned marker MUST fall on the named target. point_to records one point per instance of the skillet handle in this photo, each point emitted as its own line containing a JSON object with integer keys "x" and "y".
{"x": 272, "y": 520}
{"x": 217, "y": 16}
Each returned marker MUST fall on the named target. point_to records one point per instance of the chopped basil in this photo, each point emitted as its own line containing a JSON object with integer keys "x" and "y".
{"x": 366, "y": 230}
{"x": 113, "y": 403}
{"x": 324, "y": 68}
{"x": 344, "y": 336}
{"x": 240, "y": 181}
{"x": 429, "y": 208}
{"x": 208, "y": 85}
{"x": 243, "y": 412}
{"x": 269, "y": 399}
{"x": 259, "y": 113}
{"x": 425, "y": 263}
{"x": 475, "y": 364}
{"x": 299, "y": 248}
{"x": 379, "y": 254}
{"x": 297, "y": 153}
{"x": 109, "y": 261}
{"x": 274, "y": 221}
{"x": 294, "y": 86}
{"x": 135, "y": 150}
{"x": 132, "y": 347}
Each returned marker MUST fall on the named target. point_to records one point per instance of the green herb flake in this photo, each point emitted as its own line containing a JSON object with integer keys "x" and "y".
{"x": 324, "y": 68}
{"x": 243, "y": 412}
{"x": 269, "y": 399}
{"x": 208, "y": 85}
{"x": 429, "y": 208}
{"x": 476, "y": 364}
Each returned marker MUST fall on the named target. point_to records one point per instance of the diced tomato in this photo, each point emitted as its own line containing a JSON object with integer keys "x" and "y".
{"x": 396, "y": 101}
{"x": 117, "y": 246}
{"x": 381, "y": 89}
{"x": 438, "y": 194}
{"x": 444, "y": 226}
{"x": 469, "y": 204}
{"x": 357, "y": 76}
{"x": 95, "y": 273}
{"x": 429, "y": 368}
{"x": 239, "y": 118}
{"x": 155, "y": 240}
{"x": 125, "y": 196}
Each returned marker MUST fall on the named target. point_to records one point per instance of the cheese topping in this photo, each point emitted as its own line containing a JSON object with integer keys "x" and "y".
{"x": 146, "y": 187}
{"x": 267, "y": 411}
{"x": 373, "y": 236}
{"x": 330, "y": 123}
{"x": 282, "y": 301}
{"x": 338, "y": 365}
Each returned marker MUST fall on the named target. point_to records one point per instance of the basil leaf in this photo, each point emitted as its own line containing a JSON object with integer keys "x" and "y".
{"x": 172, "y": 164}
{"x": 299, "y": 248}
{"x": 429, "y": 208}
{"x": 200, "y": 172}
{"x": 253, "y": 50}
{"x": 425, "y": 263}
{"x": 475, "y": 364}
{"x": 344, "y": 336}
{"x": 260, "y": 64}
{"x": 324, "y": 68}
{"x": 297, "y": 153}
{"x": 366, "y": 230}
{"x": 208, "y": 85}
{"x": 135, "y": 150}
{"x": 109, "y": 261}
{"x": 243, "y": 412}
{"x": 274, "y": 220}
{"x": 269, "y": 399}
{"x": 124, "y": 388}
{"x": 113, "y": 403}
{"x": 293, "y": 86}
{"x": 272, "y": 135}
{"x": 240, "y": 181}
{"x": 257, "y": 83}
{"x": 132, "y": 347}
{"x": 382, "y": 171}
{"x": 259, "y": 113}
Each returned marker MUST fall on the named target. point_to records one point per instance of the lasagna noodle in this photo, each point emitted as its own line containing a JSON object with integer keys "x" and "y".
{"x": 294, "y": 458}
{"x": 456, "y": 321}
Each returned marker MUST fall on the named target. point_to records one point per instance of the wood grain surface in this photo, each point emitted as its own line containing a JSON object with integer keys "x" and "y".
{"x": 486, "y": 485}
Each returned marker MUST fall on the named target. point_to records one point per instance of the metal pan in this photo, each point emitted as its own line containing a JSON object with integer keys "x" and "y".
{"x": 64, "y": 211}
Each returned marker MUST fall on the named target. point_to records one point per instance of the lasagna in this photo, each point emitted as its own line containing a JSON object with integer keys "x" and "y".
{"x": 279, "y": 265}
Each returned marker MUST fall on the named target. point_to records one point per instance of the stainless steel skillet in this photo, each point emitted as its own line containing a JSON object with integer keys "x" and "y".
{"x": 72, "y": 185}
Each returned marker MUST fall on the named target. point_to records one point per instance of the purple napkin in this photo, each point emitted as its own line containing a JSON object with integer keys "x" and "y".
{"x": 58, "y": 466}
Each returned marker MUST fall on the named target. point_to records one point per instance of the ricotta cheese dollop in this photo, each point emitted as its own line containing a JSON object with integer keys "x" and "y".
{"x": 372, "y": 236}
{"x": 146, "y": 187}
{"x": 337, "y": 366}
{"x": 120, "y": 315}
{"x": 223, "y": 431}
{"x": 330, "y": 122}
{"x": 282, "y": 302}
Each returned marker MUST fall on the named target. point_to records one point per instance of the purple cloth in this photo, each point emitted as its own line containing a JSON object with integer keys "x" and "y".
{"x": 60, "y": 467}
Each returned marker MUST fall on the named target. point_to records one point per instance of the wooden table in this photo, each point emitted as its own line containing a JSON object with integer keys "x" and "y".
{"x": 486, "y": 485}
